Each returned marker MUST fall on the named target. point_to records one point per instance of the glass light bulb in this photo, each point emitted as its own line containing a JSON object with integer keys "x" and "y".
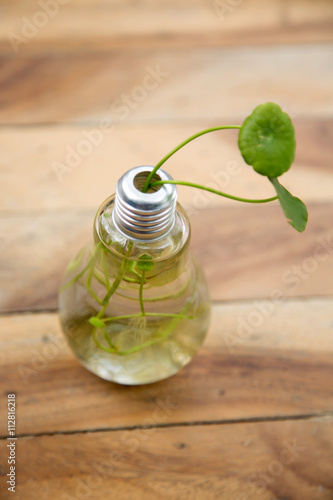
{"x": 134, "y": 305}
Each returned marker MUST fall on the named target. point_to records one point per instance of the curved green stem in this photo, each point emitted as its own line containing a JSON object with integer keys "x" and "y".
{"x": 117, "y": 280}
{"x": 157, "y": 299}
{"x": 199, "y": 186}
{"x": 140, "y": 315}
{"x": 84, "y": 270}
{"x": 99, "y": 278}
{"x": 88, "y": 282}
{"x": 147, "y": 184}
{"x": 97, "y": 342}
{"x": 107, "y": 281}
{"x": 112, "y": 349}
{"x": 107, "y": 338}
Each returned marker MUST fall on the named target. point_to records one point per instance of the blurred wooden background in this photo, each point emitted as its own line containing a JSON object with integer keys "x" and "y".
{"x": 89, "y": 89}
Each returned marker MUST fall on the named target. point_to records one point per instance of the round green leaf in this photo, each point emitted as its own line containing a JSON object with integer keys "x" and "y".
{"x": 267, "y": 140}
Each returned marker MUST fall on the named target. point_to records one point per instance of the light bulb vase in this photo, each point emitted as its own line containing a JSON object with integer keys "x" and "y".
{"x": 134, "y": 304}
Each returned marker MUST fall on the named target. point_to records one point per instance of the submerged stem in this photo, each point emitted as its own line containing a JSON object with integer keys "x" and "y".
{"x": 107, "y": 281}
{"x": 141, "y": 292}
{"x": 140, "y": 315}
{"x": 88, "y": 283}
{"x": 117, "y": 280}
{"x": 84, "y": 270}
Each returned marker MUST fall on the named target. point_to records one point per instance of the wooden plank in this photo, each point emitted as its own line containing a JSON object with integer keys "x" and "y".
{"x": 261, "y": 461}
{"x": 208, "y": 83}
{"x": 251, "y": 254}
{"x": 101, "y": 25}
{"x": 248, "y": 252}
{"x": 278, "y": 367}
{"x": 33, "y": 180}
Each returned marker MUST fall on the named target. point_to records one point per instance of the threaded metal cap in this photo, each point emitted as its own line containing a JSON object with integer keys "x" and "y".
{"x": 144, "y": 216}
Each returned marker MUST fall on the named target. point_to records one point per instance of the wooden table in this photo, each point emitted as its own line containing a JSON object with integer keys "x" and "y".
{"x": 251, "y": 417}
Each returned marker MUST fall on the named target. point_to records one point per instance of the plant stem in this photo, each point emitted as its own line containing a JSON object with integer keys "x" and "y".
{"x": 113, "y": 349}
{"x": 99, "y": 345}
{"x": 117, "y": 280}
{"x": 165, "y": 333}
{"x": 84, "y": 270}
{"x": 199, "y": 186}
{"x": 140, "y": 293}
{"x": 107, "y": 338}
{"x": 99, "y": 279}
{"x": 88, "y": 282}
{"x": 140, "y": 315}
{"x": 105, "y": 269}
{"x": 177, "y": 148}
{"x": 170, "y": 328}
{"x": 162, "y": 297}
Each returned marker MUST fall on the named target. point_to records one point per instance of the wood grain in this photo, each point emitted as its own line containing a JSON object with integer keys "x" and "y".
{"x": 34, "y": 185}
{"x": 223, "y": 426}
{"x": 248, "y": 253}
{"x": 259, "y": 461}
{"x": 208, "y": 83}
{"x": 102, "y": 25}
{"x": 274, "y": 363}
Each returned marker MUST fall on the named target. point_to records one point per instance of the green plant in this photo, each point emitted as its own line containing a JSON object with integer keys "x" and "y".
{"x": 267, "y": 142}
{"x": 137, "y": 270}
{"x": 143, "y": 265}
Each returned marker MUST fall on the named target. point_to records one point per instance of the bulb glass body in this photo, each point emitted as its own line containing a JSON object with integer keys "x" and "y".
{"x": 134, "y": 312}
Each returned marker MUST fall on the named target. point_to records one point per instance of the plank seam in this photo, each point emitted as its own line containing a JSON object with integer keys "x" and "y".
{"x": 246, "y": 420}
